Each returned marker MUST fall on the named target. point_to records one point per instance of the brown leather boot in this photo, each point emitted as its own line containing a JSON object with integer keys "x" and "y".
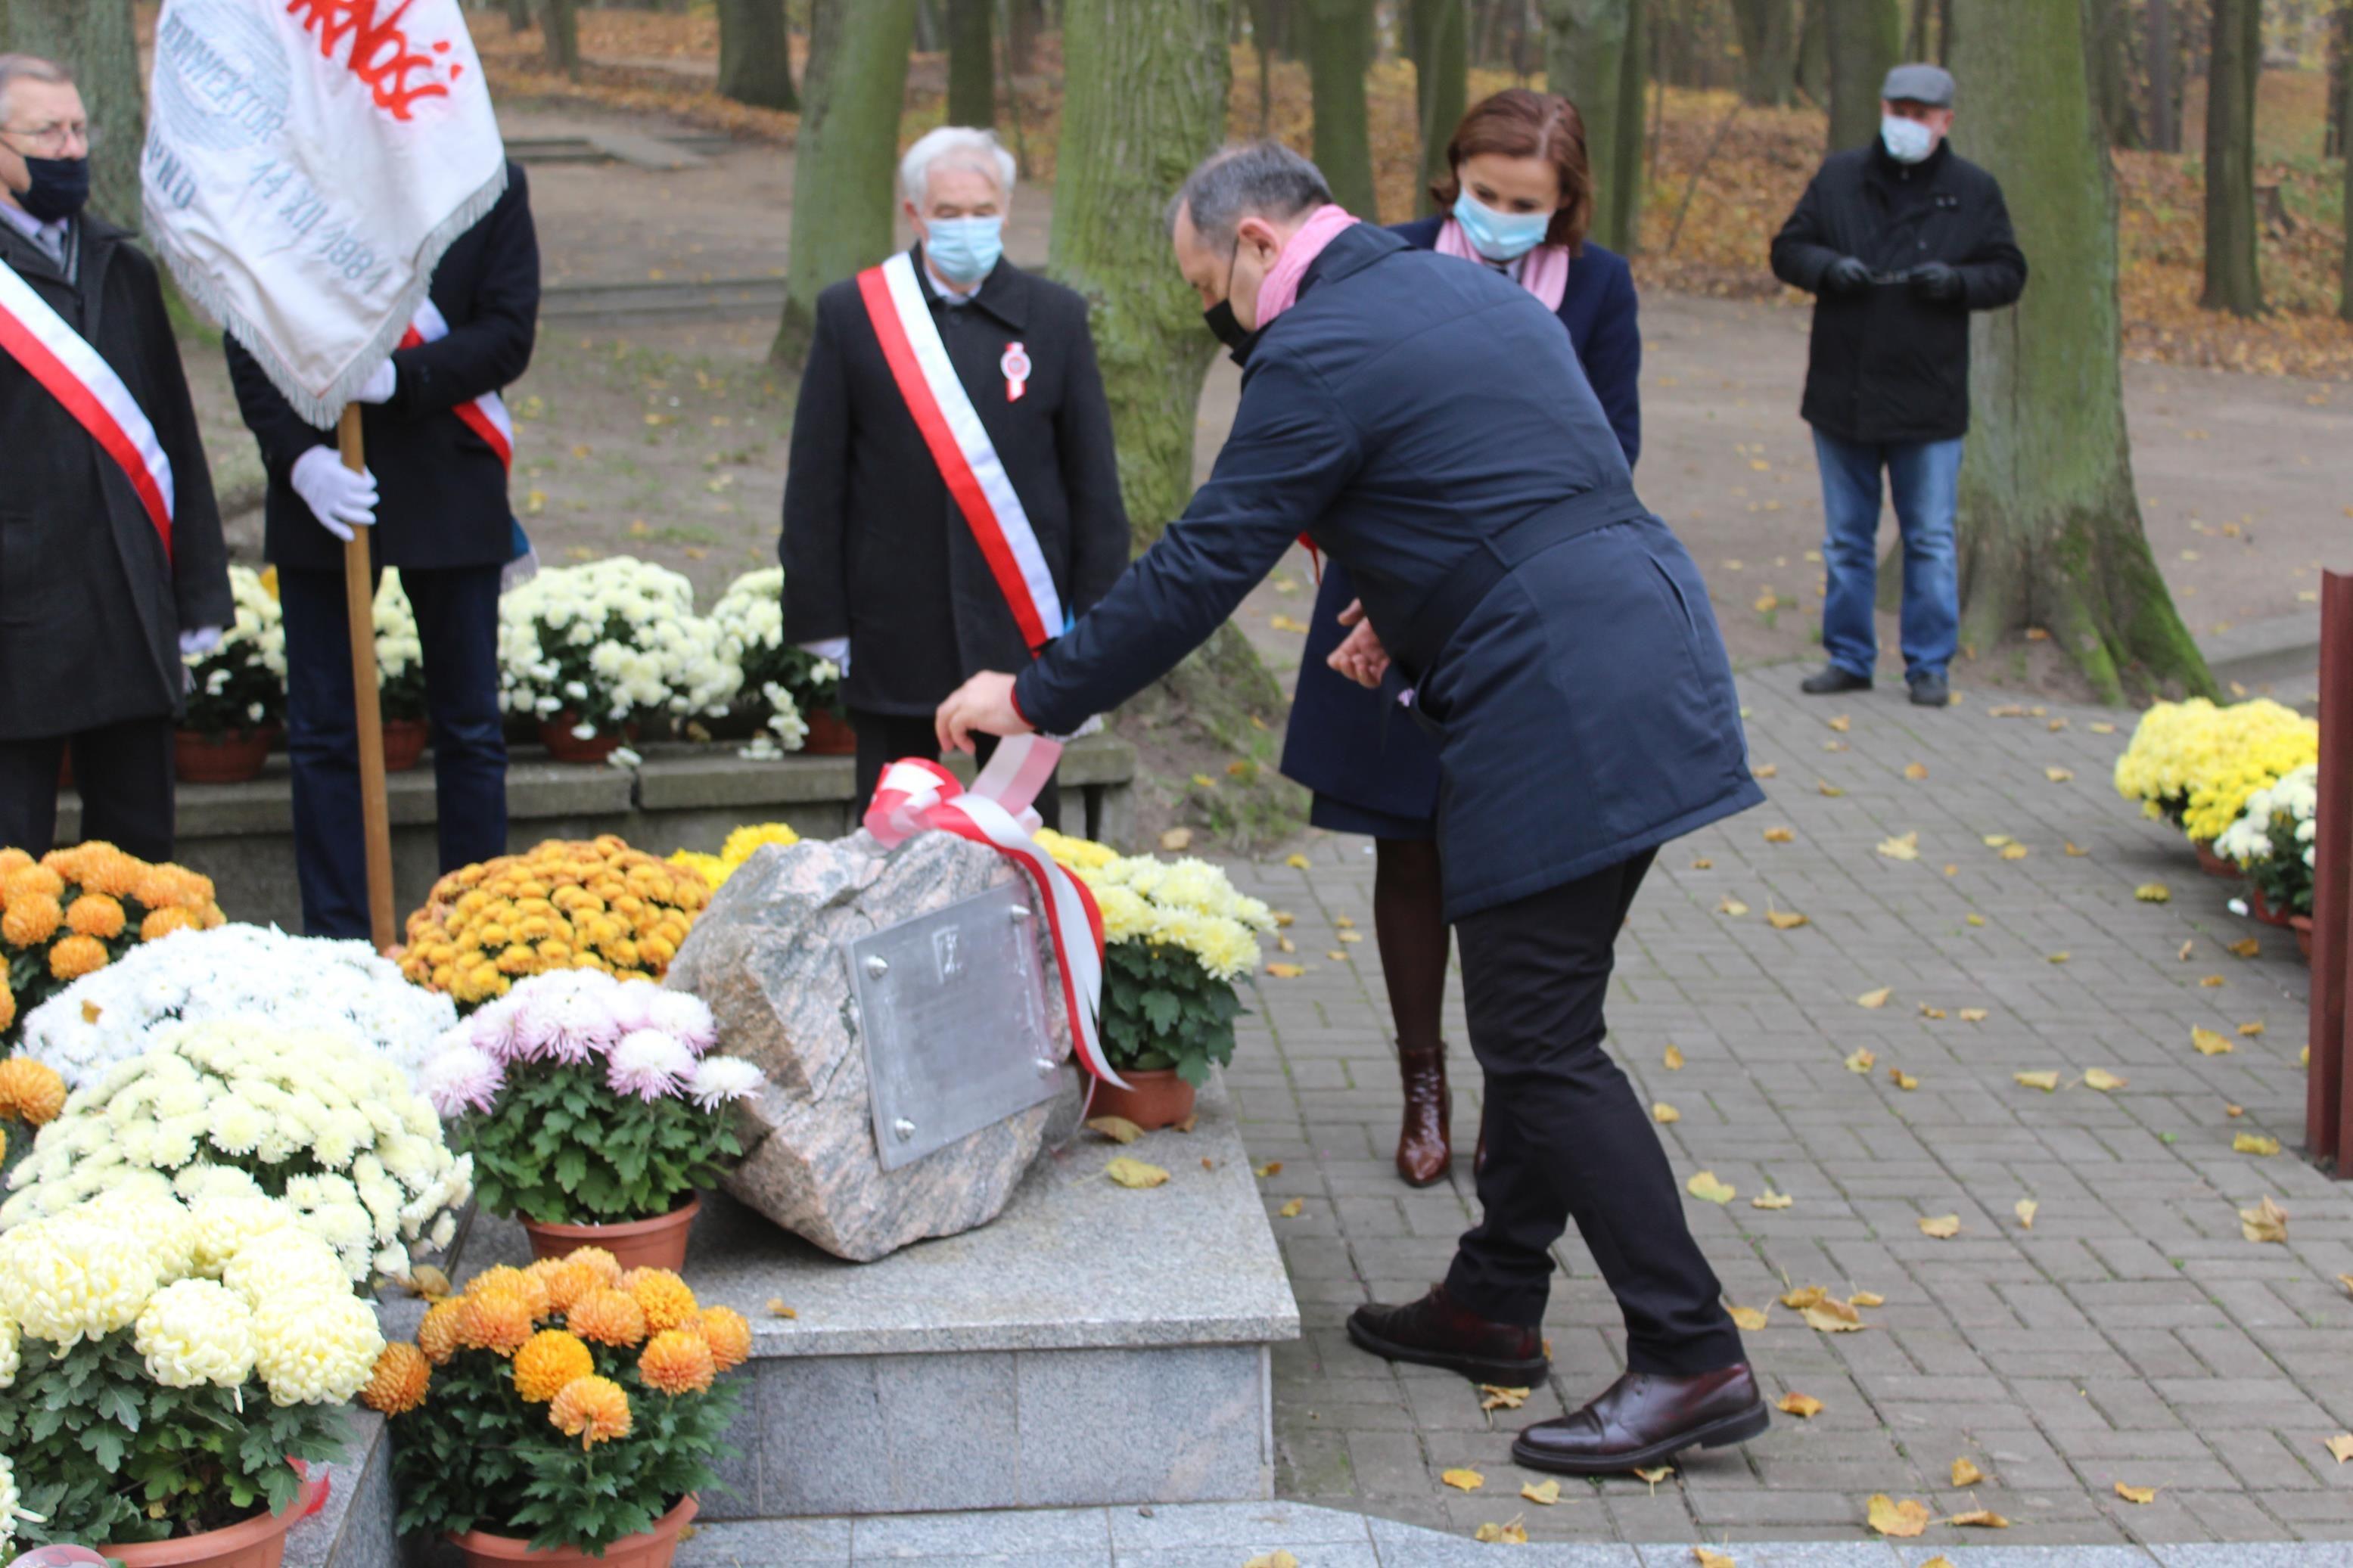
{"x": 1437, "y": 1331}
{"x": 1646, "y": 1420}
{"x": 1423, "y": 1154}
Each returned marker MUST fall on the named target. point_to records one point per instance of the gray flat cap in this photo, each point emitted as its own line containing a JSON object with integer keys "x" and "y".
{"x": 1931, "y": 85}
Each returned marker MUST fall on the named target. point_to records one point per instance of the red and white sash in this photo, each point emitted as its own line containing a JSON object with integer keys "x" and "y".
{"x": 38, "y": 338}
{"x": 486, "y": 415}
{"x": 960, "y": 445}
{"x": 916, "y": 795}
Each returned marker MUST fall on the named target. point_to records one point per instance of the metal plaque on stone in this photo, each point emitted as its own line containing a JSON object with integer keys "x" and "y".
{"x": 952, "y": 1015}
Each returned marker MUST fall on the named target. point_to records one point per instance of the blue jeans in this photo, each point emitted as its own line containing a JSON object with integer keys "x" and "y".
{"x": 457, "y": 622}
{"x": 1924, "y": 477}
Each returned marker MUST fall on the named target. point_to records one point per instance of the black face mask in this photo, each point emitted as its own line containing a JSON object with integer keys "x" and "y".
{"x": 1219, "y": 318}
{"x": 60, "y": 187}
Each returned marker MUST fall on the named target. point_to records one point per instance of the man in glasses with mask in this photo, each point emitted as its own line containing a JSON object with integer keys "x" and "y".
{"x": 1427, "y": 424}
{"x": 112, "y": 564}
{"x": 1898, "y": 242}
{"x": 953, "y": 498}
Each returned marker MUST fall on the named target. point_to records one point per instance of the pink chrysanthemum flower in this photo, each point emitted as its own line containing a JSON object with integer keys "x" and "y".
{"x": 633, "y": 1005}
{"x": 492, "y": 1027}
{"x": 462, "y": 1077}
{"x": 649, "y": 1064}
{"x": 686, "y": 1018}
{"x": 567, "y": 1023}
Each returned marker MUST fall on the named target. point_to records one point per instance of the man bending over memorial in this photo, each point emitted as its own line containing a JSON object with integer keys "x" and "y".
{"x": 1428, "y": 424}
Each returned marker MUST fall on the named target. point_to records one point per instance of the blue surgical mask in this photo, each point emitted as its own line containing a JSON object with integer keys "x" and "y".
{"x": 964, "y": 250}
{"x": 1499, "y": 237}
{"x": 1907, "y": 141}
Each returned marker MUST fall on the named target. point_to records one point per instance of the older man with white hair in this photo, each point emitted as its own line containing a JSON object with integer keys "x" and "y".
{"x": 952, "y": 500}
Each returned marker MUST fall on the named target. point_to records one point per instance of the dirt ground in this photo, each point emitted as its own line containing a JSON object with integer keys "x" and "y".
{"x": 668, "y": 441}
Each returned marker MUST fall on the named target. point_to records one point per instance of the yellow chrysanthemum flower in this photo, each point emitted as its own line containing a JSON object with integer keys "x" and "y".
{"x": 607, "y": 1317}
{"x": 316, "y": 1350}
{"x": 498, "y": 1321}
{"x": 593, "y": 1409}
{"x": 664, "y": 1297}
{"x": 677, "y": 1361}
{"x": 728, "y": 1334}
{"x": 96, "y": 914}
{"x": 397, "y": 1384}
{"x": 549, "y": 1360}
{"x": 195, "y": 1332}
{"x": 32, "y": 917}
{"x": 66, "y": 1279}
{"x": 505, "y": 1278}
{"x": 7, "y": 1006}
{"x": 437, "y": 1336}
{"x": 76, "y": 955}
{"x": 567, "y": 1280}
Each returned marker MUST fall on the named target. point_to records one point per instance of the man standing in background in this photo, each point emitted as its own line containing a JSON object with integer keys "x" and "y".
{"x": 1899, "y": 241}
{"x": 112, "y": 564}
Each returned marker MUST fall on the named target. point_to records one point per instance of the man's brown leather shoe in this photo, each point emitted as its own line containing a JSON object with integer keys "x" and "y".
{"x": 1642, "y": 1420}
{"x": 1437, "y": 1331}
{"x": 1423, "y": 1154}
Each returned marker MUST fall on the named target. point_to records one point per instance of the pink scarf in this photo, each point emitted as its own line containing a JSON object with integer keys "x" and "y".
{"x": 1280, "y": 288}
{"x": 1543, "y": 272}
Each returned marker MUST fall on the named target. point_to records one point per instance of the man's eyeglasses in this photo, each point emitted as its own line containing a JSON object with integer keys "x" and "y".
{"x": 49, "y": 140}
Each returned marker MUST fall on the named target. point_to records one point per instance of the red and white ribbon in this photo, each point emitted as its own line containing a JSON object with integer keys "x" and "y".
{"x": 959, "y": 444}
{"x": 486, "y": 415}
{"x": 915, "y": 795}
{"x": 74, "y": 373}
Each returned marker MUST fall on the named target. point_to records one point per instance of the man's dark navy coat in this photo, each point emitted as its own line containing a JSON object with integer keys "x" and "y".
{"x": 1405, "y": 410}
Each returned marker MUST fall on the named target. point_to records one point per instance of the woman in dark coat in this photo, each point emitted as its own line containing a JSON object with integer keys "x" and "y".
{"x": 1519, "y": 195}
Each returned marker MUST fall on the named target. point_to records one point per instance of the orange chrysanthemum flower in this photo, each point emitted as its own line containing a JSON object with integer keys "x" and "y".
{"x": 398, "y": 1384}
{"x": 593, "y": 1409}
{"x": 13, "y": 860}
{"x": 164, "y": 922}
{"x": 608, "y": 1316}
{"x": 607, "y": 1267}
{"x": 32, "y": 917}
{"x": 728, "y": 1334}
{"x": 436, "y": 1336}
{"x": 506, "y": 1279}
{"x": 496, "y": 1321}
{"x": 7, "y": 1006}
{"x": 30, "y": 1091}
{"x": 567, "y": 1280}
{"x": 547, "y": 1362}
{"x": 101, "y": 867}
{"x": 27, "y": 880}
{"x": 96, "y": 914}
{"x": 75, "y": 956}
{"x": 669, "y": 1303}
{"x": 678, "y": 1362}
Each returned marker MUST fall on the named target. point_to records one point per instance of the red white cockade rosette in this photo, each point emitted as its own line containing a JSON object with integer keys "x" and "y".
{"x": 915, "y": 795}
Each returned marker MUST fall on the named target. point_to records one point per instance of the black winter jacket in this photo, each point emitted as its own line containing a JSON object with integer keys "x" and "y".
{"x": 1886, "y": 363}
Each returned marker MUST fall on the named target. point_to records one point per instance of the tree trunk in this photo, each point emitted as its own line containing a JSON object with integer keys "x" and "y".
{"x": 559, "y": 22}
{"x": 1592, "y": 54}
{"x": 756, "y": 55}
{"x": 2104, "y": 37}
{"x": 2051, "y": 531}
{"x": 2345, "y": 114}
{"x": 847, "y": 152}
{"x": 1866, "y": 38}
{"x": 1813, "y": 55}
{"x": 1022, "y": 26}
{"x": 2234, "y": 281}
{"x": 1768, "y": 44}
{"x": 2334, "y": 142}
{"x": 1441, "y": 81}
{"x": 2164, "y": 95}
{"x": 518, "y": 18}
{"x": 1915, "y": 42}
{"x": 1339, "y": 50}
{"x": 94, "y": 39}
{"x": 972, "y": 73}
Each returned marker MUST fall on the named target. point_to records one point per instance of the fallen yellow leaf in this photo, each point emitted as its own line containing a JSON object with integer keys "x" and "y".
{"x": 1286, "y": 623}
{"x": 1176, "y": 839}
{"x": 1748, "y": 1320}
{"x": 1495, "y": 1396}
{"x": 2102, "y": 1080}
{"x": 2255, "y": 1143}
{"x": 2058, "y": 775}
{"x": 1672, "y": 1058}
{"x": 1703, "y": 864}
{"x": 2135, "y": 1494}
{"x": 776, "y": 1308}
{"x": 1784, "y": 919}
{"x": 2209, "y": 1043}
{"x": 1942, "y": 1228}
{"x": 1980, "y": 1518}
{"x": 2153, "y": 893}
{"x": 1804, "y": 1407}
{"x": 2234, "y": 1111}
{"x": 1118, "y": 1129}
{"x": 1731, "y": 906}
{"x": 2265, "y": 1222}
{"x": 2211, "y": 981}
{"x": 1802, "y": 1297}
{"x": 1973, "y": 1014}
{"x": 2098, "y": 728}
{"x": 1940, "y": 1560}
{"x": 1463, "y": 1481}
{"x": 2048, "y": 1083}
{"x": 1842, "y": 723}
{"x": 2025, "y": 1208}
{"x": 1903, "y": 1520}
{"x": 1705, "y": 1187}
{"x": 1771, "y": 1201}
{"x": 1861, "y": 1060}
{"x": 1830, "y": 791}
{"x": 1544, "y": 1494}
{"x": 1282, "y": 918}
{"x": 2014, "y": 852}
{"x": 1915, "y": 771}
{"x": 1780, "y": 836}
{"x": 1706, "y": 1559}
{"x": 2058, "y": 958}
{"x": 1874, "y": 998}
{"x": 1764, "y": 770}
{"x": 1928, "y": 1012}
{"x": 1966, "y": 1473}
{"x": 1832, "y": 1317}
{"x": 1512, "y": 1533}
{"x": 2075, "y": 850}
{"x": 1998, "y": 840}
{"x": 1296, "y": 861}
{"x": 1656, "y": 1474}
{"x": 1130, "y": 1173}
{"x": 2252, "y": 1029}
{"x": 2340, "y": 1448}
{"x": 1976, "y": 920}
{"x": 1292, "y": 1209}
{"x": 1903, "y": 1079}
{"x": 2247, "y": 947}
{"x": 1662, "y": 1113}
{"x": 1905, "y": 848}
{"x": 1286, "y": 971}
{"x": 1277, "y": 1559}
{"x": 1271, "y": 1168}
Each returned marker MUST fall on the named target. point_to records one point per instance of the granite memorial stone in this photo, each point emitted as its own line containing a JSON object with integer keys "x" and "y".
{"x": 772, "y": 956}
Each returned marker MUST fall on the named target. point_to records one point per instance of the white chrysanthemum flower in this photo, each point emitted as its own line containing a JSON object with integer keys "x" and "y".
{"x": 9, "y": 1356}
{"x": 650, "y": 1065}
{"x": 287, "y": 1262}
{"x": 719, "y": 1079}
{"x": 63, "y": 1279}
{"x": 684, "y": 1017}
{"x": 316, "y": 1350}
{"x": 196, "y": 1331}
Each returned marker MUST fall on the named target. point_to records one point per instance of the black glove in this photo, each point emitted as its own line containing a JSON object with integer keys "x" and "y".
{"x": 1936, "y": 281}
{"x": 1845, "y": 276}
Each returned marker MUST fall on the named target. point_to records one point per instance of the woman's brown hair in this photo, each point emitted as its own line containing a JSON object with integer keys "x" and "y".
{"x": 1519, "y": 123}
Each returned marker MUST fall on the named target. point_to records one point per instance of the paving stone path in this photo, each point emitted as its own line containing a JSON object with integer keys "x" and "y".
{"x": 2132, "y": 1335}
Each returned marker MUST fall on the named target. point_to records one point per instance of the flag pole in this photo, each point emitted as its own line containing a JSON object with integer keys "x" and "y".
{"x": 359, "y": 610}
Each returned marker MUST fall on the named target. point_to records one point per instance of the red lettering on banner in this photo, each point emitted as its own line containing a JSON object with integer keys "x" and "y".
{"x": 380, "y": 54}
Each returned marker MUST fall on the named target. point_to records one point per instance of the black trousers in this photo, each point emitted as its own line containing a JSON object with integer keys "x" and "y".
{"x": 885, "y": 738}
{"x": 457, "y": 622}
{"x": 124, "y": 773}
{"x": 1567, "y": 1139}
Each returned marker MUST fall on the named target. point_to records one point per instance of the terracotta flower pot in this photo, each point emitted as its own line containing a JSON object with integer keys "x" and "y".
{"x": 1154, "y": 1099}
{"x": 403, "y": 743}
{"x": 562, "y": 744}
{"x": 649, "y": 1549}
{"x": 2262, "y": 909}
{"x": 256, "y": 1542}
{"x": 656, "y": 1243}
{"x": 2213, "y": 865}
{"x": 231, "y": 757}
{"x": 2303, "y": 924}
{"x": 829, "y": 735}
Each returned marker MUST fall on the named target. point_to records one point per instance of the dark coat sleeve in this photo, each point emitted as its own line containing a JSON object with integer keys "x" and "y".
{"x": 282, "y": 434}
{"x": 1291, "y": 450}
{"x": 1090, "y": 463}
{"x": 1994, "y": 274}
{"x": 1612, "y": 357}
{"x": 492, "y": 348}
{"x": 813, "y": 545}
{"x": 200, "y": 590}
{"x": 1802, "y": 251}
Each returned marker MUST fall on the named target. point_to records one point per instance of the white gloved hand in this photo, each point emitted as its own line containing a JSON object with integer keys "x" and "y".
{"x": 340, "y": 499}
{"x": 198, "y": 641}
{"x": 378, "y": 387}
{"x": 834, "y": 648}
